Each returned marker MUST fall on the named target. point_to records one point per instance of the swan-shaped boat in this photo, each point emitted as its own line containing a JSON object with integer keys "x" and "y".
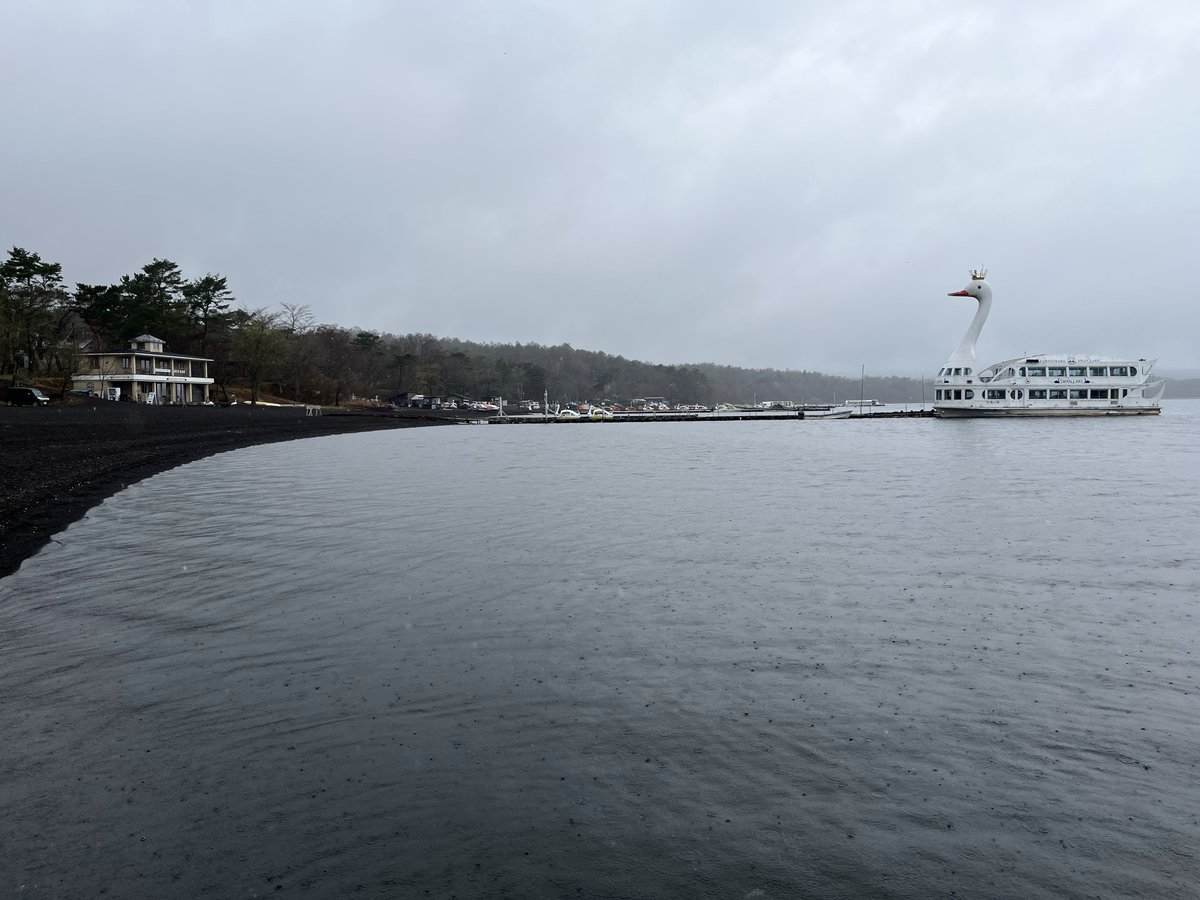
{"x": 1041, "y": 384}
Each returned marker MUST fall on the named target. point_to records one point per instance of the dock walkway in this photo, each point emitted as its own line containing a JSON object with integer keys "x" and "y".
{"x": 738, "y": 416}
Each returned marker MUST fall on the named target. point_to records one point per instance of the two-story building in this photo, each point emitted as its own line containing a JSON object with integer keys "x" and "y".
{"x": 145, "y": 373}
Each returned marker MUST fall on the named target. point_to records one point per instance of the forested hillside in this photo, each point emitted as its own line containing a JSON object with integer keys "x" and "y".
{"x": 46, "y": 326}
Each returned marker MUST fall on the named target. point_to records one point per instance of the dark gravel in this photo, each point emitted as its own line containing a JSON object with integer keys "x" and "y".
{"x": 57, "y": 462}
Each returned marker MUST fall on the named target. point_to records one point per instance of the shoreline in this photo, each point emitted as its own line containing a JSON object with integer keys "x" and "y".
{"x": 59, "y": 462}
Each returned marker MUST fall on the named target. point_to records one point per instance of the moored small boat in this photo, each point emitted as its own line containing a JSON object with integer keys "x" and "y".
{"x": 827, "y": 412}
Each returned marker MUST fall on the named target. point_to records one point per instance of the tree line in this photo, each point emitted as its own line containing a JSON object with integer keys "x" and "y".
{"x": 46, "y": 327}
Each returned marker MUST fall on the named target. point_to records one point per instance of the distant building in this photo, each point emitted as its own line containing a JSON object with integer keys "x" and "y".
{"x": 407, "y": 398}
{"x": 145, "y": 373}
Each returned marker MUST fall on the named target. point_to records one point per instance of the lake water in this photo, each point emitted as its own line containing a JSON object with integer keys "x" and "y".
{"x": 896, "y": 658}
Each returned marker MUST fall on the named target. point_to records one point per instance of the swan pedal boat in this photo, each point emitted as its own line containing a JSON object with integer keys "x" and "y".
{"x": 1041, "y": 384}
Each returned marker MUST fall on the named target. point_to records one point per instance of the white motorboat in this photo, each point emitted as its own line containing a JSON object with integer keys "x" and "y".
{"x": 1040, "y": 384}
{"x": 827, "y": 412}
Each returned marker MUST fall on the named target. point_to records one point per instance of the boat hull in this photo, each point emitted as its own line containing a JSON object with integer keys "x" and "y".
{"x": 944, "y": 412}
{"x": 828, "y": 414}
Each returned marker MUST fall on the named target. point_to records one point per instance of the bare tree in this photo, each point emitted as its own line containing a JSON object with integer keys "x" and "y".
{"x": 260, "y": 344}
{"x": 296, "y": 318}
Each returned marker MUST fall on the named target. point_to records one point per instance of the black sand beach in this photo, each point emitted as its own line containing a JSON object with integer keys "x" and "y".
{"x": 58, "y": 462}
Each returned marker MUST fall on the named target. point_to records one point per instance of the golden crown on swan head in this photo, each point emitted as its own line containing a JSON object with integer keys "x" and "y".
{"x": 978, "y": 274}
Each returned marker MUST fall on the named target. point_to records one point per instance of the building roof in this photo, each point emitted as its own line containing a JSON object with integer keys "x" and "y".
{"x": 149, "y": 337}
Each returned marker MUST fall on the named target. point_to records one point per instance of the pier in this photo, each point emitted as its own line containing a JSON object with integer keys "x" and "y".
{"x": 714, "y": 416}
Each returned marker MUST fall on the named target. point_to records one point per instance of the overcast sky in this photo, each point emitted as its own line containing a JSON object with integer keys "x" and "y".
{"x": 764, "y": 184}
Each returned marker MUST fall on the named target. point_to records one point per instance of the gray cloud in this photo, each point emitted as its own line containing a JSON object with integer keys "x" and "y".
{"x": 677, "y": 182}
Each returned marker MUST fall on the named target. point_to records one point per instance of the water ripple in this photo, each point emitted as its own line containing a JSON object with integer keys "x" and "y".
{"x": 904, "y": 659}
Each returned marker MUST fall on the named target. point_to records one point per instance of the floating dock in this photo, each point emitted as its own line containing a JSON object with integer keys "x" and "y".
{"x": 721, "y": 416}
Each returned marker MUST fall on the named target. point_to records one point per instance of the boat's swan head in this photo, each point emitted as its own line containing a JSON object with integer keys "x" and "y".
{"x": 978, "y": 288}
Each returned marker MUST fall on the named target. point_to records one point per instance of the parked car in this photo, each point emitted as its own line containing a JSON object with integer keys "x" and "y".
{"x": 26, "y": 396}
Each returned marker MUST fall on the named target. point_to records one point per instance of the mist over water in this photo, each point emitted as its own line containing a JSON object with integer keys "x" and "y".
{"x": 902, "y": 658}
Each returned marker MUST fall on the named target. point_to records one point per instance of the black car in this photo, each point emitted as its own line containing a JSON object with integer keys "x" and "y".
{"x": 26, "y": 396}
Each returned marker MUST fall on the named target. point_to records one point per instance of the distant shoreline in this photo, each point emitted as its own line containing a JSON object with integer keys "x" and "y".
{"x": 56, "y": 463}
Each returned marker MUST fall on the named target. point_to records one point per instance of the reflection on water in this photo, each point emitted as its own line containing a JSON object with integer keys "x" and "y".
{"x": 898, "y": 658}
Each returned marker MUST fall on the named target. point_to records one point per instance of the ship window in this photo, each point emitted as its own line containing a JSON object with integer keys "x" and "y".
{"x": 1097, "y": 371}
{"x": 957, "y": 371}
{"x": 1008, "y": 373}
{"x": 1077, "y": 371}
{"x": 969, "y": 394}
{"x": 1058, "y": 394}
{"x": 1124, "y": 392}
{"x": 1037, "y": 393}
{"x": 958, "y": 395}
{"x": 1119, "y": 371}
{"x": 993, "y": 394}
{"x": 1016, "y": 395}
{"x": 1098, "y": 393}
{"x": 967, "y": 371}
{"x": 1037, "y": 372}
{"x": 1057, "y": 371}
{"x": 1022, "y": 371}
{"x": 1078, "y": 394}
